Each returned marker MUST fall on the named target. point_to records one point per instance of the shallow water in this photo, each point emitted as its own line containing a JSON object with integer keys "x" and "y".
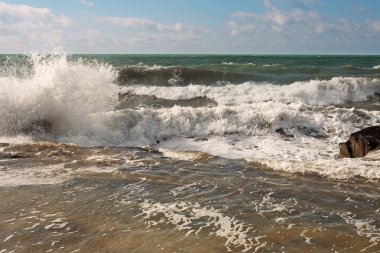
{"x": 121, "y": 199}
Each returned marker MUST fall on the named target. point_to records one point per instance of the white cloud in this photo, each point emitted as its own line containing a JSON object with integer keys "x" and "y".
{"x": 273, "y": 18}
{"x": 376, "y": 25}
{"x": 22, "y": 10}
{"x": 133, "y": 22}
{"x": 146, "y": 35}
{"x": 238, "y": 29}
{"x": 294, "y": 26}
{"x": 129, "y": 22}
{"x": 14, "y": 14}
{"x": 321, "y": 27}
{"x": 25, "y": 28}
{"x": 86, "y": 2}
{"x": 277, "y": 20}
{"x": 28, "y": 26}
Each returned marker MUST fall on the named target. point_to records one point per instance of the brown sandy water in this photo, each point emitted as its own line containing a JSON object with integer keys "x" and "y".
{"x": 67, "y": 198}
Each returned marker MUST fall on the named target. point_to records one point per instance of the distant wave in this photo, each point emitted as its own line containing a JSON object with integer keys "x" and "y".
{"x": 158, "y": 75}
{"x": 338, "y": 90}
{"x": 235, "y": 73}
{"x": 235, "y": 63}
{"x": 271, "y": 65}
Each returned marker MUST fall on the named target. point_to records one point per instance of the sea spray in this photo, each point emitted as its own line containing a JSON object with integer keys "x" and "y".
{"x": 61, "y": 92}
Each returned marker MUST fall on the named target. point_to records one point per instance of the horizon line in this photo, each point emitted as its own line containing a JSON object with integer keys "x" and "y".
{"x": 210, "y": 54}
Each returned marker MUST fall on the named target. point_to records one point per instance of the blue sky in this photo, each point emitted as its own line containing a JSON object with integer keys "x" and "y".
{"x": 191, "y": 26}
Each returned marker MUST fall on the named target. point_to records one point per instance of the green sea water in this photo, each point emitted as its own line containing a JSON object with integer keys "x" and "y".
{"x": 281, "y": 69}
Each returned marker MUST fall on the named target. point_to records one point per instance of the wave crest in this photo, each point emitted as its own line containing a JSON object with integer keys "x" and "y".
{"x": 336, "y": 91}
{"x": 167, "y": 76}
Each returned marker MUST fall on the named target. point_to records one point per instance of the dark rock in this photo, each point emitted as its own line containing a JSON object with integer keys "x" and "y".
{"x": 311, "y": 132}
{"x": 201, "y": 139}
{"x": 10, "y": 156}
{"x": 304, "y": 130}
{"x": 127, "y": 100}
{"x": 361, "y": 143}
{"x": 282, "y": 133}
{"x": 344, "y": 149}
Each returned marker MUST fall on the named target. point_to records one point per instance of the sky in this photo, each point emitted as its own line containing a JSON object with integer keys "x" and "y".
{"x": 191, "y": 26}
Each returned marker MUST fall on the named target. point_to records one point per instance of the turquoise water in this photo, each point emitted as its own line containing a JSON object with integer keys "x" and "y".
{"x": 279, "y": 69}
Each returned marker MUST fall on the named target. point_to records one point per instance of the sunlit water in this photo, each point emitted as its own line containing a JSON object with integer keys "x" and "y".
{"x": 136, "y": 200}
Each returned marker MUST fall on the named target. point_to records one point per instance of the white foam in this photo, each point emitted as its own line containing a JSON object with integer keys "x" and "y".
{"x": 179, "y": 189}
{"x": 364, "y": 228}
{"x": 376, "y": 67}
{"x": 184, "y": 216}
{"x": 8, "y": 238}
{"x": 235, "y": 63}
{"x": 338, "y": 90}
{"x": 46, "y": 175}
{"x": 327, "y": 166}
{"x": 301, "y": 153}
{"x": 156, "y": 67}
{"x": 268, "y": 204}
{"x": 51, "y": 174}
{"x": 307, "y": 155}
{"x": 94, "y": 169}
{"x": 307, "y": 239}
{"x": 184, "y": 155}
{"x": 145, "y": 126}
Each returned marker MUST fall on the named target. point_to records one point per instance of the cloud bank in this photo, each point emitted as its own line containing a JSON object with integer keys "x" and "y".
{"x": 279, "y": 26}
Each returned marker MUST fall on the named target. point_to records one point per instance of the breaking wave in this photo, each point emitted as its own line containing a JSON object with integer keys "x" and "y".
{"x": 55, "y": 95}
{"x": 158, "y": 75}
{"x": 338, "y": 90}
{"x": 234, "y": 73}
{"x": 80, "y": 102}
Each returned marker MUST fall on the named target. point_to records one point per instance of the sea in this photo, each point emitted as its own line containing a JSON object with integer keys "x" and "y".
{"x": 187, "y": 153}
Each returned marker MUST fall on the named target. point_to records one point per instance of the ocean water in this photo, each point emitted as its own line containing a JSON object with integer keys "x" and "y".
{"x": 187, "y": 153}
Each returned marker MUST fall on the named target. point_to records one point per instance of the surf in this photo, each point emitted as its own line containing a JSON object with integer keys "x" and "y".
{"x": 65, "y": 99}
{"x": 55, "y": 96}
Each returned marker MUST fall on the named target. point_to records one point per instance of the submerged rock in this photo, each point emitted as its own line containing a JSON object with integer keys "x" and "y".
{"x": 361, "y": 143}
